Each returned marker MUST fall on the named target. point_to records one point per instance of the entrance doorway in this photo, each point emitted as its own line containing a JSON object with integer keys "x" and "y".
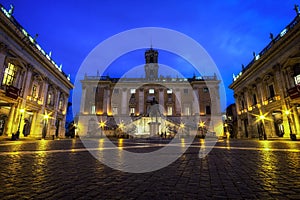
{"x": 57, "y": 123}
{"x": 246, "y": 127}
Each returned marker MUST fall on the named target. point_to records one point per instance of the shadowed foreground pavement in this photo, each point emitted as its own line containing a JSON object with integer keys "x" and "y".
{"x": 63, "y": 169}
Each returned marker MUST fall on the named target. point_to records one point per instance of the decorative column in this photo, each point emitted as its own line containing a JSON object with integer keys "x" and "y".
{"x": 82, "y": 102}
{"x": 27, "y": 82}
{"x": 215, "y": 101}
{"x": 104, "y": 100}
{"x": 45, "y": 91}
{"x": 178, "y": 101}
{"x": 161, "y": 99}
{"x": 35, "y": 129}
{"x": 10, "y": 121}
{"x": 3, "y": 54}
{"x": 196, "y": 102}
{"x": 296, "y": 121}
{"x": 239, "y": 121}
{"x": 141, "y": 101}
{"x": 124, "y": 107}
{"x": 108, "y": 106}
{"x": 251, "y": 125}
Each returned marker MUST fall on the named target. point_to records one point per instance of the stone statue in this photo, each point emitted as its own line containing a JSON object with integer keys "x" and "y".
{"x": 154, "y": 109}
{"x": 296, "y": 8}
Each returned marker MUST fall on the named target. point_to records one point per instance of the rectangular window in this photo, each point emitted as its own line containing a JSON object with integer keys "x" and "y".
{"x": 49, "y": 99}
{"x": 254, "y": 99}
{"x": 170, "y": 110}
{"x": 297, "y": 79}
{"x": 33, "y": 92}
{"x": 132, "y": 111}
{"x": 205, "y": 90}
{"x": 169, "y": 91}
{"x": 187, "y": 111}
{"x": 132, "y": 91}
{"x": 151, "y": 91}
{"x": 115, "y": 110}
{"x": 207, "y": 110}
{"x": 116, "y": 91}
{"x": 271, "y": 91}
{"x": 10, "y": 74}
{"x": 185, "y": 91}
{"x": 93, "y": 109}
{"x": 60, "y": 105}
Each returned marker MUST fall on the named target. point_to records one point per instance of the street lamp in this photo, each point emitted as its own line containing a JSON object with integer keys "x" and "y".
{"x": 121, "y": 125}
{"x": 201, "y": 125}
{"x": 102, "y": 124}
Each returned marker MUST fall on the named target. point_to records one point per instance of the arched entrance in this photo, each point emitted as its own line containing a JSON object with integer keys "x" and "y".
{"x": 278, "y": 123}
{"x": 3, "y": 119}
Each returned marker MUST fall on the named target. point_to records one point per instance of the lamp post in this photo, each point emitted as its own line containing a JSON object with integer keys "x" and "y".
{"x": 102, "y": 124}
{"x": 201, "y": 125}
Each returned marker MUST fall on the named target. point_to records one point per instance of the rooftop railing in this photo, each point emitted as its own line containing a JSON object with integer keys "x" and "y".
{"x": 31, "y": 39}
{"x": 287, "y": 29}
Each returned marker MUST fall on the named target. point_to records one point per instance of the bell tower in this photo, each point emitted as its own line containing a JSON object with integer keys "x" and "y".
{"x": 151, "y": 66}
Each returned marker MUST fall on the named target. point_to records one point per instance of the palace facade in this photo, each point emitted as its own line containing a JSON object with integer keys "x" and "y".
{"x": 34, "y": 90}
{"x": 267, "y": 90}
{"x": 150, "y": 105}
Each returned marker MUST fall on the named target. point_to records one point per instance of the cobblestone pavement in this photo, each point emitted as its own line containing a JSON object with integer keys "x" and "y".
{"x": 234, "y": 169}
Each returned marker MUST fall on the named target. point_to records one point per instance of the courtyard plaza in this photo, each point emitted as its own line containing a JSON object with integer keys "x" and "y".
{"x": 232, "y": 169}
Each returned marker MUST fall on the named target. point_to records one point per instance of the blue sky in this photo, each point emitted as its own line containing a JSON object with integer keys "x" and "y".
{"x": 230, "y": 31}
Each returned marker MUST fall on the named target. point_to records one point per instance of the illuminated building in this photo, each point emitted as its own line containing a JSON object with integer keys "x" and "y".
{"x": 267, "y": 90}
{"x": 153, "y": 104}
{"x": 34, "y": 90}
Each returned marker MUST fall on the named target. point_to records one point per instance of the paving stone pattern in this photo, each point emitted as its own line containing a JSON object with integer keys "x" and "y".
{"x": 225, "y": 173}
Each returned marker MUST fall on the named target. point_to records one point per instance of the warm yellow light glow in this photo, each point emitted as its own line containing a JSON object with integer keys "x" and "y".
{"x": 22, "y": 110}
{"x": 46, "y": 115}
{"x": 182, "y": 125}
{"x": 201, "y": 124}
{"x": 287, "y": 112}
{"x": 120, "y": 143}
{"x": 262, "y": 117}
{"x": 121, "y": 125}
{"x": 182, "y": 142}
{"x": 102, "y": 124}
